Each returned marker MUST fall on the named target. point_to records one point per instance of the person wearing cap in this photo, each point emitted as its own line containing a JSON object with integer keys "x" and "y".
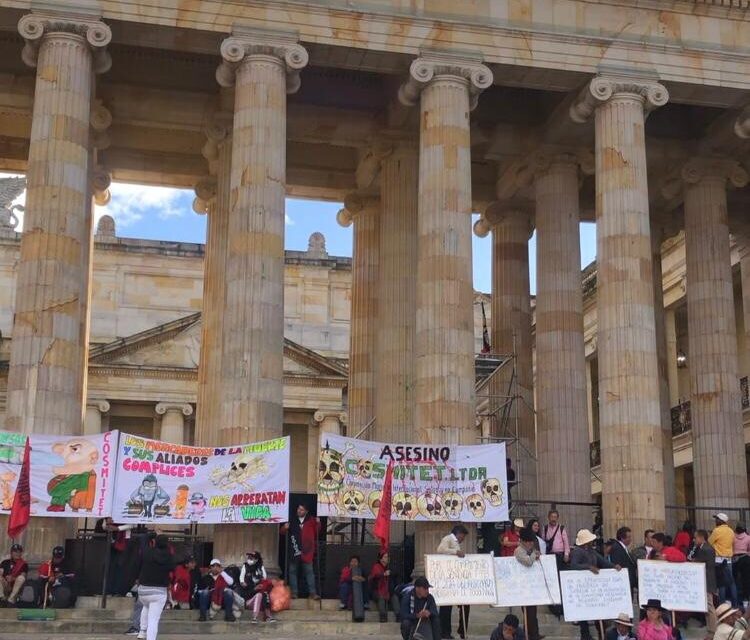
{"x": 583, "y": 557}
{"x": 622, "y": 629}
{"x": 509, "y": 629}
{"x": 704, "y": 552}
{"x": 653, "y": 626}
{"x": 215, "y": 593}
{"x": 13, "y": 572}
{"x": 451, "y": 545}
{"x": 419, "y": 613}
{"x": 732, "y": 625}
{"x": 511, "y": 538}
{"x": 722, "y": 540}
{"x": 527, "y": 554}
{"x": 60, "y": 579}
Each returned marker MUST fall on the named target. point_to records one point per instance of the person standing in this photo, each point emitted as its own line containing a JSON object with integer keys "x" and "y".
{"x": 684, "y": 537}
{"x": 643, "y": 551}
{"x": 526, "y": 554}
{"x": 153, "y": 581}
{"x": 451, "y": 545}
{"x": 13, "y": 572}
{"x": 510, "y": 538}
{"x": 704, "y": 552}
{"x": 419, "y": 614}
{"x": 621, "y": 555}
{"x": 722, "y": 540}
{"x": 556, "y": 539}
{"x": 741, "y": 563}
{"x": 303, "y": 543}
{"x": 536, "y": 528}
{"x": 664, "y": 550}
{"x": 380, "y": 587}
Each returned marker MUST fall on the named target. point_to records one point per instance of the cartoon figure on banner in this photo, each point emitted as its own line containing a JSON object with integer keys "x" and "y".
{"x": 476, "y": 505}
{"x": 198, "y": 506}
{"x": 6, "y": 488}
{"x": 74, "y": 483}
{"x": 10, "y": 454}
{"x": 330, "y": 475}
{"x": 492, "y": 491}
{"x": 405, "y": 505}
{"x": 352, "y": 502}
{"x": 373, "y": 501}
{"x": 181, "y": 501}
{"x": 144, "y": 498}
{"x": 243, "y": 468}
{"x": 430, "y": 506}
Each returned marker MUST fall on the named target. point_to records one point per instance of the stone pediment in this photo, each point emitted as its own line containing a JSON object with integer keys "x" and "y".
{"x": 176, "y": 345}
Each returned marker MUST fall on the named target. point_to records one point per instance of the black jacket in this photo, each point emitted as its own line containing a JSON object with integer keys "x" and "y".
{"x": 158, "y": 563}
{"x": 624, "y": 558}
{"x": 707, "y": 555}
{"x": 582, "y": 558}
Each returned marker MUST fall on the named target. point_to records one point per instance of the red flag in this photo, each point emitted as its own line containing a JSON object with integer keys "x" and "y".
{"x": 382, "y": 528}
{"x": 20, "y": 512}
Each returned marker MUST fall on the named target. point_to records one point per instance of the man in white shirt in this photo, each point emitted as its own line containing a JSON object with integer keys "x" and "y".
{"x": 451, "y": 545}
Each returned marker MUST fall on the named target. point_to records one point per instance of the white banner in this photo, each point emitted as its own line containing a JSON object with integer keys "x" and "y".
{"x": 519, "y": 586}
{"x": 70, "y": 476}
{"x": 467, "y": 580}
{"x": 681, "y": 586}
{"x": 595, "y": 596}
{"x": 430, "y": 482}
{"x": 169, "y": 483}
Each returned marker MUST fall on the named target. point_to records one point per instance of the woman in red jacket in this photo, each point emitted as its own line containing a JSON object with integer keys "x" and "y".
{"x": 181, "y": 587}
{"x": 380, "y": 590}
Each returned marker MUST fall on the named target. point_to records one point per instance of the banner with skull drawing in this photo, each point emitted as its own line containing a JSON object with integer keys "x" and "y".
{"x": 170, "y": 483}
{"x": 430, "y": 482}
{"x": 70, "y": 476}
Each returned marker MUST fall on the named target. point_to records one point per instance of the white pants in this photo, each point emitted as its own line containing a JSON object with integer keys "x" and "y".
{"x": 153, "y": 599}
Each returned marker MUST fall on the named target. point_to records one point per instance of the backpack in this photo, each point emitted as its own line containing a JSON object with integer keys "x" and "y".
{"x": 30, "y": 595}
{"x": 63, "y": 597}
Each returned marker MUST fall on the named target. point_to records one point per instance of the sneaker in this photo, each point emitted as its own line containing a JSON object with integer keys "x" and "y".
{"x": 141, "y": 636}
{"x": 314, "y": 596}
{"x": 342, "y": 607}
{"x": 133, "y": 631}
{"x": 202, "y": 617}
{"x": 271, "y": 619}
{"x": 254, "y": 620}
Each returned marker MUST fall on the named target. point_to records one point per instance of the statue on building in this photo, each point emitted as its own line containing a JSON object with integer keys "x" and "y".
{"x": 316, "y": 245}
{"x": 105, "y": 229}
{"x": 10, "y": 189}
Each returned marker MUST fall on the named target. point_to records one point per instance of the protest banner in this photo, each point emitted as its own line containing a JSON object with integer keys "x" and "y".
{"x": 467, "y": 580}
{"x": 520, "y": 586}
{"x": 171, "y": 483}
{"x": 430, "y": 482}
{"x": 595, "y": 596}
{"x": 681, "y": 586}
{"x": 70, "y": 476}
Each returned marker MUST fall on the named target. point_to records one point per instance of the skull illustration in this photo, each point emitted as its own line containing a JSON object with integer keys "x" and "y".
{"x": 352, "y": 502}
{"x": 492, "y": 491}
{"x": 330, "y": 475}
{"x": 405, "y": 505}
{"x": 453, "y": 504}
{"x": 373, "y": 501}
{"x": 430, "y": 506}
{"x": 476, "y": 505}
{"x": 364, "y": 468}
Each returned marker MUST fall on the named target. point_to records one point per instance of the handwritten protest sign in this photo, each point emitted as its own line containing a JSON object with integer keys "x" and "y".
{"x": 519, "y": 586}
{"x": 595, "y": 596}
{"x": 681, "y": 586}
{"x": 467, "y": 580}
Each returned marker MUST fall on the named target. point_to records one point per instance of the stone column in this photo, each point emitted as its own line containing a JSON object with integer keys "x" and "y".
{"x": 745, "y": 274}
{"x": 46, "y": 380}
{"x": 397, "y": 291}
{"x": 362, "y": 211}
{"x": 562, "y": 436}
{"x": 630, "y": 411}
{"x": 670, "y": 328}
{"x": 173, "y": 420}
{"x": 444, "y": 367}
{"x": 263, "y": 67}
{"x": 718, "y": 440}
{"x": 92, "y": 422}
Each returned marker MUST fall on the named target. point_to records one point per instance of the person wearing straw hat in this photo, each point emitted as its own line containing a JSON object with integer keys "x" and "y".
{"x": 732, "y": 625}
{"x": 622, "y": 629}
{"x": 653, "y": 626}
{"x": 583, "y": 557}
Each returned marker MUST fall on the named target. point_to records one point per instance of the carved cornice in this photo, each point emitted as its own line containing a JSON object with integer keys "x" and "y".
{"x": 434, "y": 65}
{"x": 33, "y": 27}
{"x": 603, "y": 88}
{"x": 140, "y": 371}
{"x": 250, "y": 42}
{"x": 184, "y": 408}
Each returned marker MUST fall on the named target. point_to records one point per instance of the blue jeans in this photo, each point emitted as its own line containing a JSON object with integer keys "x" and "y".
{"x": 307, "y": 572}
{"x": 727, "y": 588}
{"x": 204, "y": 601}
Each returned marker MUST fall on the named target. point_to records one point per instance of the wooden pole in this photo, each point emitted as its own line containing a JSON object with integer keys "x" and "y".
{"x": 601, "y": 629}
{"x": 525, "y": 623}
{"x": 463, "y": 620}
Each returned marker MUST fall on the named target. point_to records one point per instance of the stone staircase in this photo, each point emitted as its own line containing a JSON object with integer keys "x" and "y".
{"x": 321, "y": 620}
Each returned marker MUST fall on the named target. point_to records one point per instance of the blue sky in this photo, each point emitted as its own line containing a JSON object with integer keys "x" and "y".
{"x": 160, "y": 213}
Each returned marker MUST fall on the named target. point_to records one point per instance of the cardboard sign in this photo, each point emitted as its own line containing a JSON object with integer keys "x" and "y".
{"x": 681, "y": 586}
{"x": 519, "y": 586}
{"x": 595, "y": 596}
{"x": 467, "y": 580}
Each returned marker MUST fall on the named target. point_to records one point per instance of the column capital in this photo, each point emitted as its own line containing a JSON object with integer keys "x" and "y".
{"x": 728, "y": 171}
{"x": 101, "y": 179}
{"x": 603, "y": 88}
{"x": 434, "y": 64}
{"x": 205, "y": 189}
{"x": 248, "y": 42}
{"x": 355, "y": 205}
{"x": 500, "y": 211}
{"x": 742, "y": 124}
{"x": 185, "y": 408}
{"x": 322, "y": 414}
{"x": 100, "y": 119}
{"x": 34, "y": 26}
{"x": 102, "y": 406}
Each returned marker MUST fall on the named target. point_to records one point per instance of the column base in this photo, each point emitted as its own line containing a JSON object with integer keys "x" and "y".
{"x": 233, "y": 541}
{"x": 428, "y": 535}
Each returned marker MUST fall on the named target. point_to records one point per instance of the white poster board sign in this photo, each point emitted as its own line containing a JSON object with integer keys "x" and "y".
{"x": 595, "y": 596}
{"x": 681, "y": 586}
{"x": 467, "y": 580}
{"x": 519, "y": 586}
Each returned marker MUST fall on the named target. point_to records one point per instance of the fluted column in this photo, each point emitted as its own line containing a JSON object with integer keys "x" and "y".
{"x": 397, "y": 291}
{"x": 512, "y": 401}
{"x": 444, "y": 368}
{"x": 92, "y": 423}
{"x": 562, "y": 435}
{"x": 362, "y": 211}
{"x": 718, "y": 442}
{"x": 46, "y": 380}
{"x": 745, "y": 275}
{"x": 173, "y": 420}
{"x": 262, "y": 67}
{"x": 212, "y": 198}
{"x": 670, "y": 328}
{"x": 630, "y": 411}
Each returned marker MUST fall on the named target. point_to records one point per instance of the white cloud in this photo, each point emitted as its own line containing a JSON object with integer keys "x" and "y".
{"x": 288, "y": 220}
